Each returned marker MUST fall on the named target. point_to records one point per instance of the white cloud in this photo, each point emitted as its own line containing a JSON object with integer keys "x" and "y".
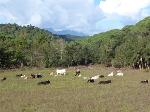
{"x": 35, "y": 19}
{"x": 79, "y": 15}
{"x": 119, "y": 13}
{"x": 130, "y": 8}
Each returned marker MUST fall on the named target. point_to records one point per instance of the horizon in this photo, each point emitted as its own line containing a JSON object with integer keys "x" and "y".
{"x": 86, "y": 16}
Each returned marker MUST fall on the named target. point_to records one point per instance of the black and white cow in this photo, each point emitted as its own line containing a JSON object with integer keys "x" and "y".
{"x": 3, "y": 79}
{"x": 44, "y": 82}
{"x": 144, "y": 81}
{"x": 105, "y": 82}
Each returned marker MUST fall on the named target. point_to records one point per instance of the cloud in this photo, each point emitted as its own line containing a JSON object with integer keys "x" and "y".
{"x": 80, "y": 15}
{"x": 129, "y": 8}
{"x": 123, "y": 7}
{"x": 119, "y": 13}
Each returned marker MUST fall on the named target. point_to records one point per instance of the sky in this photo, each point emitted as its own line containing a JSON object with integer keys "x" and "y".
{"x": 86, "y": 16}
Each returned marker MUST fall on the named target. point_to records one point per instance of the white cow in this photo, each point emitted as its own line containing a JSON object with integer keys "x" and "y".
{"x": 119, "y": 73}
{"x": 95, "y": 77}
{"x": 23, "y": 76}
{"x": 80, "y": 75}
{"x": 61, "y": 71}
{"x": 111, "y": 74}
{"x": 51, "y": 73}
{"x": 26, "y": 78}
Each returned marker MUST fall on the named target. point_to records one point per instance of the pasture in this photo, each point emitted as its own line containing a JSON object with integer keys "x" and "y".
{"x": 73, "y": 94}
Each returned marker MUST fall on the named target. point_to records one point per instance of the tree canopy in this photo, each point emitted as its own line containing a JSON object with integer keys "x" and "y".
{"x": 31, "y": 46}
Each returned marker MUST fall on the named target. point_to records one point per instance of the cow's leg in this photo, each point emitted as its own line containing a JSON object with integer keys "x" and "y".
{"x": 76, "y": 74}
{"x": 140, "y": 66}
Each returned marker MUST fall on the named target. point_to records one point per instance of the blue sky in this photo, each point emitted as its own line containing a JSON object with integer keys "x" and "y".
{"x": 87, "y": 16}
{"x": 97, "y": 2}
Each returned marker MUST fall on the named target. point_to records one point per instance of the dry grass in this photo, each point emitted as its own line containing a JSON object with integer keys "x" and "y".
{"x": 73, "y": 94}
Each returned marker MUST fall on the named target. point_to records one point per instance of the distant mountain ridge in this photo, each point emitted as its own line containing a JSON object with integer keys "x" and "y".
{"x": 66, "y": 32}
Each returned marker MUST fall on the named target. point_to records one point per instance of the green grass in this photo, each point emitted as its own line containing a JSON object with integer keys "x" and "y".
{"x": 72, "y": 94}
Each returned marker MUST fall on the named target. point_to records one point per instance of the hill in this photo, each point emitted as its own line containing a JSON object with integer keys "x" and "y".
{"x": 68, "y": 34}
{"x": 123, "y": 47}
{"x": 31, "y": 46}
{"x": 27, "y": 45}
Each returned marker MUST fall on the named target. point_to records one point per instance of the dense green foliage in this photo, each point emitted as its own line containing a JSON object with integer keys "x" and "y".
{"x": 27, "y": 45}
{"x": 121, "y": 47}
{"x": 31, "y": 46}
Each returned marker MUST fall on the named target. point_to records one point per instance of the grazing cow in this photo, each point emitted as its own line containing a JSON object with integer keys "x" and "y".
{"x": 22, "y": 76}
{"x": 101, "y": 76}
{"x": 79, "y": 75}
{"x": 19, "y": 75}
{"x": 44, "y": 82}
{"x": 135, "y": 65}
{"x": 95, "y": 77}
{"x": 36, "y": 75}
{"x": 111, "y": 74}
{"x": 91, "y": 81}
{"x": 25, "y": 78}
{"x": 141, "y": 63}
{"x": 3, "y": 79}
{"x": 61, "y": 72}
{"x": 105, "y": 82}
{"x": 39, "y": 76}
{"x": 119, "y": 73}
{"x": 33, "y": 76}
{"x": 144, "y": 82}
{"x": 148, "y": 64}
{"x": 51, "y": 74}
{"x": 77, "y": 72}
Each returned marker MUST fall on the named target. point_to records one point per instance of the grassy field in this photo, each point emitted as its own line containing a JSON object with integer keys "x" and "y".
{"x": 72, "y": 94}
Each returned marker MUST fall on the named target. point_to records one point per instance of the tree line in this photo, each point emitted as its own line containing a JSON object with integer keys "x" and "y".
{"x": 31, "y": 46}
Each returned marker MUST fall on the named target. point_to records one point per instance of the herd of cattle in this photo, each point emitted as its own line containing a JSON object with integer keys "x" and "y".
{"x": 62, "y": 72}
{"x": 141, "y": 63}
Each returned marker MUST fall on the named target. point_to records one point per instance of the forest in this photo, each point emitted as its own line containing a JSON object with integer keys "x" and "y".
{"x": 34, "y": 47}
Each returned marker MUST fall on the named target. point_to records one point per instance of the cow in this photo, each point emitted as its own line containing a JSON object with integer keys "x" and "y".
{"x": 33, "y": 76}
{"x": 135, "y": 65}
{"x": 95, "y": 77}
{"x": 61, "y": 71}
{"x": 19, "y": 75}
{"x": 3, "y": 79}
{"x": 44, "y": 82}
{"x": 39, "y": 76}
{"x": 51, "y": 74}
{"x": 79, "y": 75}
{"x": 141, "y": 63}
{"x": 147, "y": 64}
{"x": 101, "y": 76}
{"x": 119, "y": 73}
{"x": 111, "y": 74}
{"x": 22, "y": 76}
{"x": 144, "y": 82}
{"x": 91, "y": 81}
{"x": 36, "y": 76}
{"x": 77, "y": 72}
{"x": 26, "y": 78}
{"x": 105, "y": 82}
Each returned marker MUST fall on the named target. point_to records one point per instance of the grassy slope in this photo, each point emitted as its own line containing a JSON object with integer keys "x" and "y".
{"x": 72, "y": 94}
